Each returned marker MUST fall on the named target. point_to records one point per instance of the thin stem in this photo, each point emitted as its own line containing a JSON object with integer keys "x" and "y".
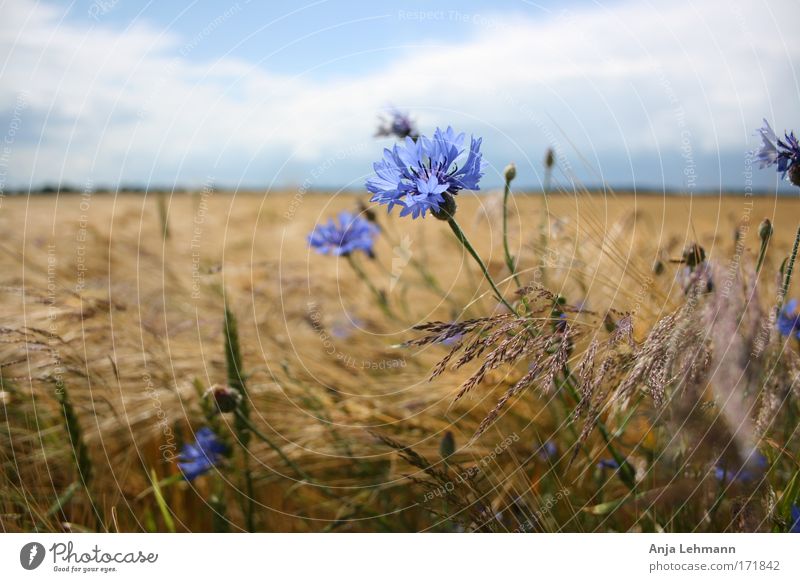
{"x": 291, "y": 464}
{"x": 762, "y": 253}
{"x": 625, "y": 472}
{"x": 509, "y": 259}
{"x": 462, "y": 238}
{"x": 543, "y": 225}
{"x": 789, "y": 269}
{"x": 426, "y": 275}
{"x": 382, "y": 302}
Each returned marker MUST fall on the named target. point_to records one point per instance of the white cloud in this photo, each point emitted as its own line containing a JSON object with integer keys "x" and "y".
{"x": 131, "y": 106}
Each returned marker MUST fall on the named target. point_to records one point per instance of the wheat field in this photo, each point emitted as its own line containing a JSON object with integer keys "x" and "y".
{"x": 113, "y": 333}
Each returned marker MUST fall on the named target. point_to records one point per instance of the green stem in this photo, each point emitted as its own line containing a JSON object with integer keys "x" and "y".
{"x": 625, "y": 471}
{"x": 236, "y": 380}
{"x": 462, "y": 238}
{"x": 509, "y": 259}
{"x": 543, "y": 225}
{"x": 789, "y": 269}
{"x": 761, "y": 254}
{"x": 382, "y": 302}
{"x": 291, "y": 464}
{"x": 426, "y": 275}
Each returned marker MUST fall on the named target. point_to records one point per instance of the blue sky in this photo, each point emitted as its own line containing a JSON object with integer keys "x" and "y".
{"x": 287, "y": 94}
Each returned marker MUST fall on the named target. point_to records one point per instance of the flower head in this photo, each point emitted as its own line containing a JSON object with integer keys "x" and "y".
{"x": 608, "y": 464}
{"x": 789, "y": 320}
{"x": 754, "y": 468}
{"x": 447, "y": 446}
{"x": 548, "y": 450}
{"x": 197, "y": 458}
{"x": 353, "y": 233}
{"x": 398, "y": 124}
{"x": 421, "y": 175}
{"x": 781, "y": 152}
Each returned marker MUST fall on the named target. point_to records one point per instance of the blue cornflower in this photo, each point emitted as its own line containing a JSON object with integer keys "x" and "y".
{"x": 425, "y": 174}
{"x": 398, "y": 124}
{"x": 548, "y": 450}
{"x": 785, "y": 153}
{"x": 795, "y": 525}
{"x": 608, "y": 464}
{"x": 198, "y": 457}
{"x": 353, "y": 233}
{"x": 452, "y": 336}
{"x": 789, "y": 320}
{"x": 754, "y": 468}
{"x": 343, "y": 328}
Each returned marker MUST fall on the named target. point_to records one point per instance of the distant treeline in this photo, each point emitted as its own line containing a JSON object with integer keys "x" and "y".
{"x": 68, "y": 189}
{"x": 138, "y": 189}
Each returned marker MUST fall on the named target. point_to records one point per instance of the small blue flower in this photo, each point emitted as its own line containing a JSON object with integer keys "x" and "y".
{"x": 450, "y": 338}
{"x": 789, "y": 320}
{"x": 198, "y": 457}
{"x": 795, "y": 526}
{"x": 754, "y": 468}
{"x": 418, "y": 175}
{"x": 343, "y": 327}
{"x": 608, "y": 464}
{"x": 353, "y": 233}
{"x": 399, "y": 124}
{"x": 548, "y": 450}
{"x": 783, "y": 153}
{"x": 699, "y": 277}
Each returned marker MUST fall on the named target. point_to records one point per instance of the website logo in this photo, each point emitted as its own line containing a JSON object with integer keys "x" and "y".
{"x": 31, "y": 555}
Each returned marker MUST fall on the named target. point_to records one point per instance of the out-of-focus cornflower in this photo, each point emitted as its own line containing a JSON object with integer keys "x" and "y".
{"x": 783, "y": 153}
{"x": 447, "y": 446}
{"x": 699, "y": 277}
{"x": 753, "y": 469}
{"x": 197, "y": 458}
{"x": 343, "y": 327}
{"x": 425, "y": 174}
{"x": 452, "y": 340}
{"x": 398, "y": 124}
{"x": 351, "y": 234}
{"x": 795, "y": 525}
{"x": 789, "y": 320}
{"x": 608, "y": 464}
{"x": 547, "y": 451}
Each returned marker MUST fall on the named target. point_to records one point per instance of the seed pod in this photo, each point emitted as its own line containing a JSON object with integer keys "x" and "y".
{"x": 226, "y": 398}
{"x": 510, "y": 172}
{"x": 794, "y": 174}
{"x": 368, "y": 213}
{"x": 447, "y": 209}
{"x": 448, "y": 445}
{"x": 693, "y": 255}
{"x": 765, "y": 230}
{"x": 549, "y": 158}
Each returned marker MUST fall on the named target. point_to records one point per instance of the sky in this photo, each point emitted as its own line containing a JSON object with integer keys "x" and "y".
{"x": 629, "y": 93}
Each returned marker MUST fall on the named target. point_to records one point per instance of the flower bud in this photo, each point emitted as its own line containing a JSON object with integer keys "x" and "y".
{"x": 368, "y": 213}
{"x": 549, "y": 158}
{"x": 794, "y": 174}
{"x": 693, "y": 255}
{"x": 510, "y": 172}
{"x": 225, "y": 397}
{"x": 447, "y": 209}
{"x": 765, "y": 230}
{"x": 448, "y": 445}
